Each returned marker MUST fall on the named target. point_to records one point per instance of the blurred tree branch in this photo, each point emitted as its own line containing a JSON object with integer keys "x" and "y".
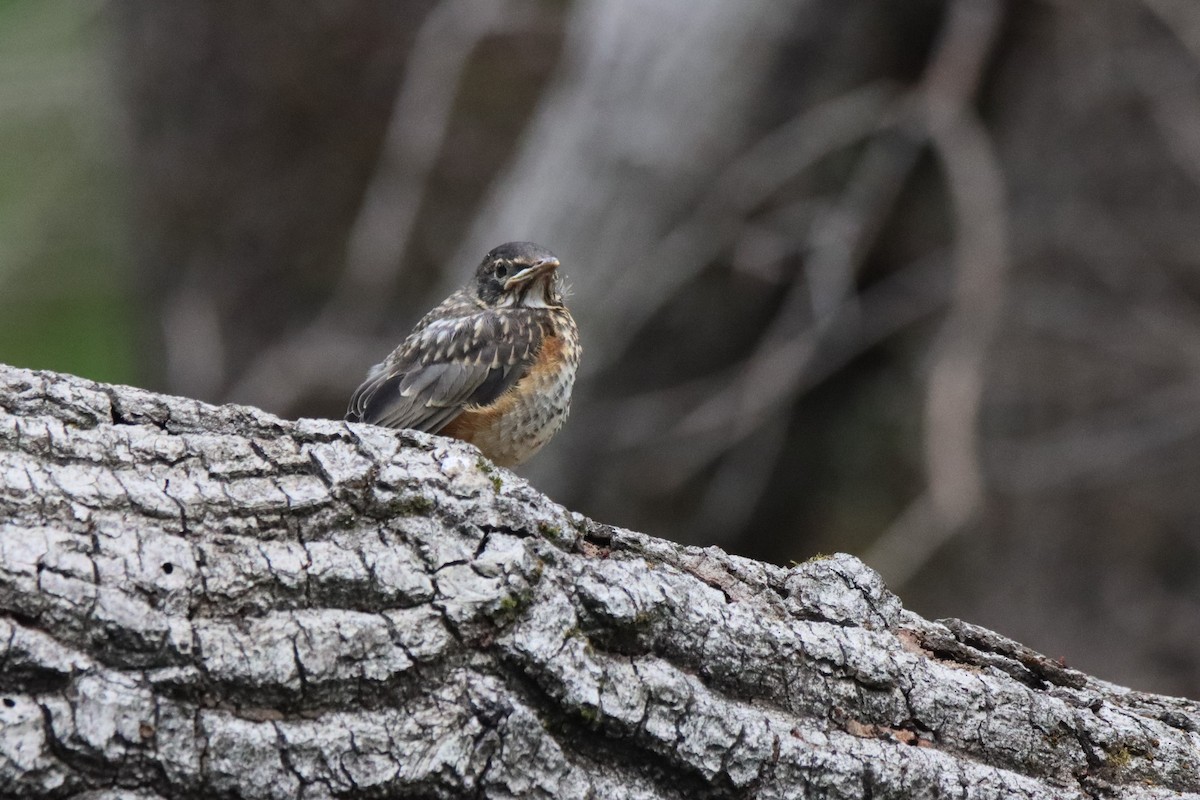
{"x": 294, "y": 366}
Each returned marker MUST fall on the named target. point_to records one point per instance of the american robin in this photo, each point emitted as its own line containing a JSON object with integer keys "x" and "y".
{"x": 492, "y": 365}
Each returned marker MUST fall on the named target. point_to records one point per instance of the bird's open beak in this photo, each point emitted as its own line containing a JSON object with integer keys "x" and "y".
{"x": 532, "y": 273}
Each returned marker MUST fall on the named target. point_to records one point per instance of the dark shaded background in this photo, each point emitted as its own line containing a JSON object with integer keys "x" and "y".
{"x": 919, "y": 281}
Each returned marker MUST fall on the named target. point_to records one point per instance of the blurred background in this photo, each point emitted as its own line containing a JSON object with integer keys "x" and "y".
{"x": 919, "y": 281}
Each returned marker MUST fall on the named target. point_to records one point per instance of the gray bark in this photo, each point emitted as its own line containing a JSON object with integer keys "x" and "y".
{"x": 201, "y": 601}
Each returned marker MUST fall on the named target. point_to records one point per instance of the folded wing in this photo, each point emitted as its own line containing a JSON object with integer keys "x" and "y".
{"x": 446, "y": 366}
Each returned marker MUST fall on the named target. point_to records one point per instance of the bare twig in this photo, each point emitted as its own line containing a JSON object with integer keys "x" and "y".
{"x": 278, "y": 377}
{"x": 1102, "y": 447}
{"x": 774, "y": 373}
{"x": 910, "y": 295}
{"x": 420, "y": 119}
{"x": 720, "y": 216}
{"x": 955, "y": 384}
{"x": 651, "y": 101}
{"x": 913, "y": 538}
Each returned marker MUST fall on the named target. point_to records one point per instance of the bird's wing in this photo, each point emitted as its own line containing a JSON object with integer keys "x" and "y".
{"x": 446, "y": 365}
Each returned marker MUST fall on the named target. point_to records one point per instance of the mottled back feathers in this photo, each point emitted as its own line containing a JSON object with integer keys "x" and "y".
{"x": 449, "y": 363}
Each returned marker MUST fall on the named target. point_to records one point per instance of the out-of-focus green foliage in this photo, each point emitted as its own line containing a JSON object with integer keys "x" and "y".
{"x": 64, "y": 296}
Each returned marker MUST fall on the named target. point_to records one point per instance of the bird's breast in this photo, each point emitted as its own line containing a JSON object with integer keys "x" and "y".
{"x": 520, "y": 422}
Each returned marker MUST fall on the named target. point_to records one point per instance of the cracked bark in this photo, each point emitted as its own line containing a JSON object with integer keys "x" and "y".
{"x": 201, "y": 601}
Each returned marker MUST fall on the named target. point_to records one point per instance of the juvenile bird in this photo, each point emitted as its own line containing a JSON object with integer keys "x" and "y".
{"x": 492, "y": 365}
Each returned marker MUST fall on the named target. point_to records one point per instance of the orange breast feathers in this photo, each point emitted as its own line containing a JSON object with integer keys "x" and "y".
{"x": 481, "y": 420}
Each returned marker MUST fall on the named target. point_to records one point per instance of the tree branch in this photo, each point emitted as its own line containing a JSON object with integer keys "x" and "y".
{"x": 201, "y": 601}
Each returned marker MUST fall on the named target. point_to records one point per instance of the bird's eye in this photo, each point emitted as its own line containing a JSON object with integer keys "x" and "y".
{"x": 501, "y": 271}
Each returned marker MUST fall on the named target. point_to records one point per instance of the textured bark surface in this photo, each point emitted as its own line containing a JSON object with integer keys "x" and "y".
{"x": 201, "y": 601}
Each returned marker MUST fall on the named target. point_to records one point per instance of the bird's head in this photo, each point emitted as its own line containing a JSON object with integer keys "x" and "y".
{"x": 519, "y": 274}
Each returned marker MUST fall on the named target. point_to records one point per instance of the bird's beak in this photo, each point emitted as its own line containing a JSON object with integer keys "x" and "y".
{"x": 532, "y": 273}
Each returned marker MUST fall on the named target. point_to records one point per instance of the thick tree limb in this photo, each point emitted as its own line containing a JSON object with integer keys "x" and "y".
{"x": 212, "y": 602}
